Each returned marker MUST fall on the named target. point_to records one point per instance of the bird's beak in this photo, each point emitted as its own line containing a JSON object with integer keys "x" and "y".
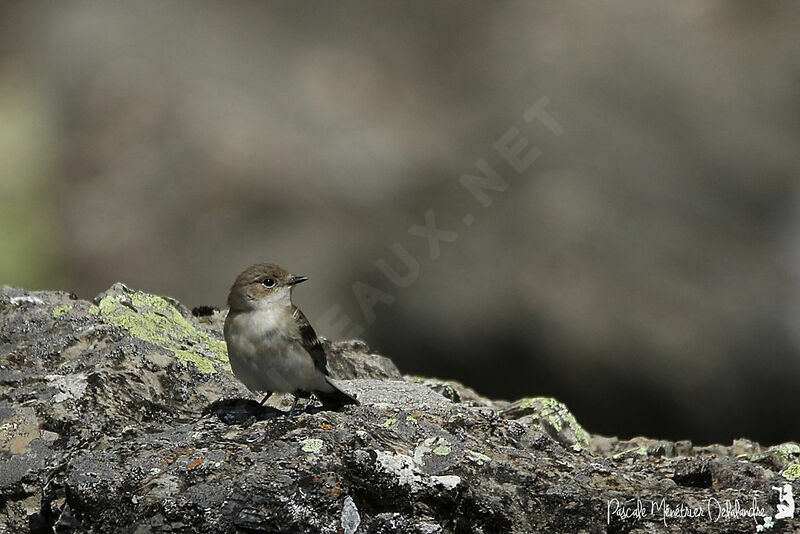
{"x": 297, "y": 279}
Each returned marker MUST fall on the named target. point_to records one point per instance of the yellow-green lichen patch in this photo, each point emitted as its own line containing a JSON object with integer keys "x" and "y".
{"x": 785, "y": 452}
{"x": 312, "y": 445}
{"x": 58, "y": 311}
{"x": 550, "y": 412}
{"x": 779, "y": 455}
{"x": 442, "y": 450}
{"x": 439, "y": 446}
{"x": 390, "y": 422}
{"x": 477, "y": 457}
{"x": 153, "y": 319}
{"x": 635, "y": 451}
{"x": 792, "y": 472}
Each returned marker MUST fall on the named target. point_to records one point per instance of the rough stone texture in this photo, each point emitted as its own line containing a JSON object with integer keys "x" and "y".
{"x": 102, "y": 429}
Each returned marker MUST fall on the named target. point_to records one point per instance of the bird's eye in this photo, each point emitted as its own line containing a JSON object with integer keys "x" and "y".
{"x": 268, "y": 282}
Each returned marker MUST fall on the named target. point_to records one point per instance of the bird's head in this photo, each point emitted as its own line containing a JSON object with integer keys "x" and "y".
{"x": 262, "y": 285}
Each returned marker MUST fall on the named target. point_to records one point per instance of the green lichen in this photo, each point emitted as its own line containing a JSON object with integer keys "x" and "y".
{"x": 153, "y": 319}
{"x": 411, "y": 419}
{"x": 785, "y": 452}
{"x": 58, "y": 311}
{"x": 557, "y": 415}
{"x": 312, "y": 445}
{"x": 778, "y": 455}
{"x": 442, "y": 450}
{"x": 787, "y": 448}
{"x": 635, "y": 451}
{"x": 477, "y": 457}
{"x": 792, "y": 472}
{"x": 440, "y": 446}
{"x": 390, "y": 422}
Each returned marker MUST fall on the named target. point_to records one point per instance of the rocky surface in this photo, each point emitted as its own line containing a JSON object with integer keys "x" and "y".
{"x": 105, "y": 426}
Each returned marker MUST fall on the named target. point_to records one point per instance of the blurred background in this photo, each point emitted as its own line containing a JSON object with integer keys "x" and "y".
{"x": 645, "y": 269}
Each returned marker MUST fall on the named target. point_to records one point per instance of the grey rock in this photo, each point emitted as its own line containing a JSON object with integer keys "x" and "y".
{"x": 105, "y": 427}
{"x": 351, "y": 519}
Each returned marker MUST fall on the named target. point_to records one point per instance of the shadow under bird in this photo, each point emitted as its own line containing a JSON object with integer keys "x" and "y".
{"x": 272, "y": 348}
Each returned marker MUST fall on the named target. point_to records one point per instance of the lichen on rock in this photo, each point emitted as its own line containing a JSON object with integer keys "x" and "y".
{"x": 123, "y": 416}
{"x": 153, "y": 319}
{"x": 553, "y": 416}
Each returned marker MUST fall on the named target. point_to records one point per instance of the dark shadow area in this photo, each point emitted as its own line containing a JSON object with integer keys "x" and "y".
{"x": 613, "y": 401}
{"x": 241, "y": 411}
{"x": 248, "y": 411}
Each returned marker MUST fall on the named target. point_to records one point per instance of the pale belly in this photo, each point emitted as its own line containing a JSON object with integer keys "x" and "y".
{"x": 265, "y": 357}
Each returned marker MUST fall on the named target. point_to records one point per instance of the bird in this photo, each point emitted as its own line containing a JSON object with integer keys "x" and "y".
{"x": 272, "y": 347}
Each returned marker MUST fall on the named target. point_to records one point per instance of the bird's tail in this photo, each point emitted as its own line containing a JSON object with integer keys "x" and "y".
{"x": 335, "y": 399}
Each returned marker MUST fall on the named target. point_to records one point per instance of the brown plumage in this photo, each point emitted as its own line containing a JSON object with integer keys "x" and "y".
{"x": 271, "y": 345}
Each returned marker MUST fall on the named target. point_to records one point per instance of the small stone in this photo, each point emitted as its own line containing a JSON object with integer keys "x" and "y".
{"x": 350, "y": 516}
{"x": 312, "y": 445}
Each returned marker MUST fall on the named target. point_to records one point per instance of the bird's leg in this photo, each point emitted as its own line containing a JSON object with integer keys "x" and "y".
{"x": 268, "y": 395}
{"x": 293, "y": 409}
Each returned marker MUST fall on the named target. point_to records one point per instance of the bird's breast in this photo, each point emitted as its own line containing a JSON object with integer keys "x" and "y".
{"x": 266, "y": 352}
{"x": 258, "y": 330}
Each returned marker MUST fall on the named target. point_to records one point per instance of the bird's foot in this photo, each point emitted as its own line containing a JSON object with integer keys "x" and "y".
{"x": 294, "y": 410}
{"x": 240, "y": 411}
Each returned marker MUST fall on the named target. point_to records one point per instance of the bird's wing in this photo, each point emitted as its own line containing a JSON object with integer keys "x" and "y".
{"x": 310, "y": 340}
